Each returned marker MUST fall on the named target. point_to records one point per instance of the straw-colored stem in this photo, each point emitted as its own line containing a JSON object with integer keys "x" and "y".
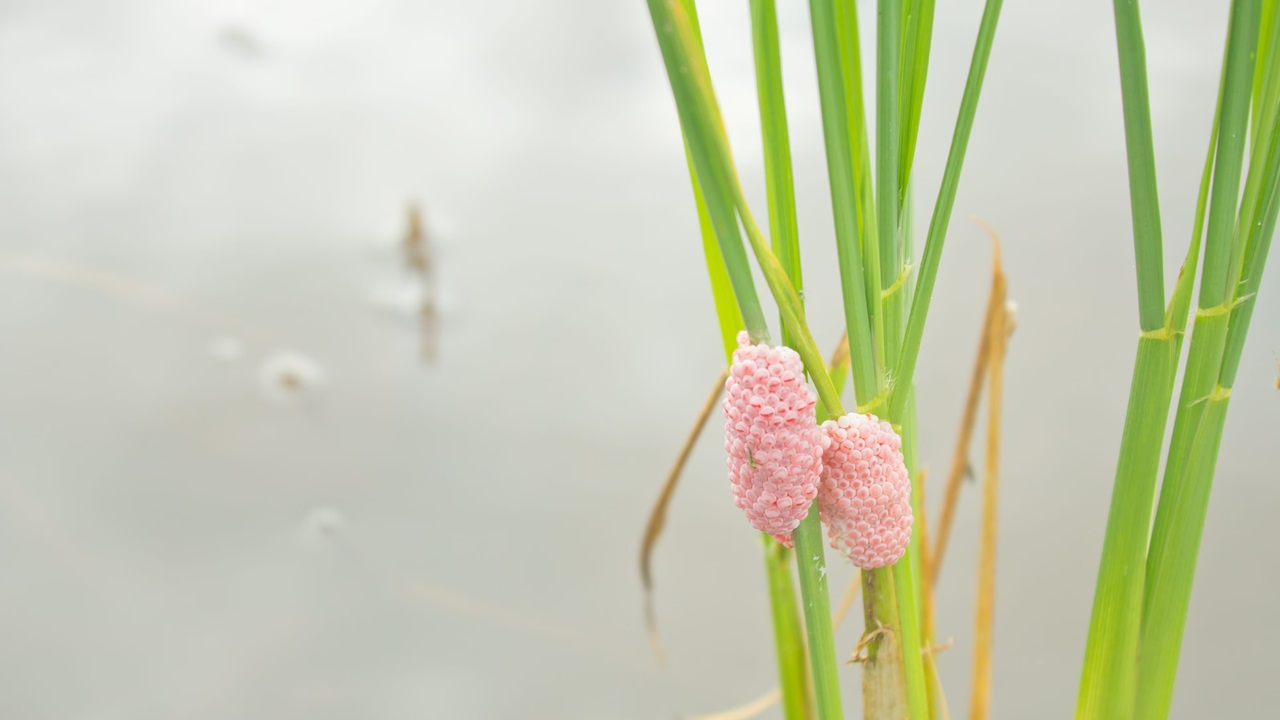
{"x": 883, "y": 684}
{"x": 968, "y": 419}
{"x": 980, "y": 698}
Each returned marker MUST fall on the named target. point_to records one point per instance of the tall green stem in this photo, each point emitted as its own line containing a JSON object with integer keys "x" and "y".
{"x": 793, "y": 667}
{"x": 713, "y": 165}
{"x": 931, "y": 257}
{"x": 1171, "y": 571}
{"x": 835, "y": 124}
{"x": 1109, "y": 677}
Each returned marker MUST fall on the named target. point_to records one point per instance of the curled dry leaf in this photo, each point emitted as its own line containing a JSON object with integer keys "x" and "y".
{"x": 658, "y": 515}
{"x": 839, "y": 364}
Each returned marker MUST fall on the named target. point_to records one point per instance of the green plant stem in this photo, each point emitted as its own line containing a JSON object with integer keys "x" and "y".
{"x": 893, "y": 673}
{"x": 846, "y": 20}
{"x": 1204, "y": 362}
{"x": 883, "y": 693}
{"x": 793, "y": 666}
{"x": 888, "y": 39}
{"x": 844, "y": 194}
{"x": 1166, "y": 616}
{"x": 1242, "y": 39}
{"x": 777, "y": 145}
{"x": 1264, "y": 66}
{"x": 1255, "y": 262}
{"x": 700, "y": 117}
{"x": 1250, "y": 203}
{"x": 730, "y": 318}
{"x": 917, "y": 43}
{"x": 812, "y": 566}
{"x": 937, "y": 702}
{"x": 1143, "y": 197}
{"x": 1171, "y": 571}
{"x": 931, "y": 256}
{"x": 1109, "y": 677}
{"x": 703, "y": 130}
{"x": 906, "y": 572}
{"x": 906, "y": 576}
{"x": 889, "y": 32}
{"x": 675, "y": 25}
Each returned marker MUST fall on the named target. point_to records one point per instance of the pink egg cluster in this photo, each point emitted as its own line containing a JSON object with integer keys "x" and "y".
{"x": 865, "y": 495}
{"x": 774, "y": 443}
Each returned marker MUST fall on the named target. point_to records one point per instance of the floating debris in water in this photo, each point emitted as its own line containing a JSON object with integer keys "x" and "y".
{"x": 287, "y": 376}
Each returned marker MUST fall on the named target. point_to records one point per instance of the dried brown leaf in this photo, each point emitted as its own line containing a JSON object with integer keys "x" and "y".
{"x": 658, "y": 515}
{"x": 960, "y": 456}
{"x": 980, "y": 698}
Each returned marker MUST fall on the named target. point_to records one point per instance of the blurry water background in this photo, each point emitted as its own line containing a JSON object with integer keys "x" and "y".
{"x": 187, "y": 188}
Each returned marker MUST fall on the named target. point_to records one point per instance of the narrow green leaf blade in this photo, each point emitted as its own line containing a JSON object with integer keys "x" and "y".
{"x": 932, "y": 255}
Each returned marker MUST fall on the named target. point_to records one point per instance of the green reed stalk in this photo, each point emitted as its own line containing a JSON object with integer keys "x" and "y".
{"x": 1263, "y": 63}
{"x": 1109, "y": 676}
{"x": 846, "y": 21}
{"x": 917, "y": 42}
{"x": 931, "y": 256}
{"x": 884, "y": 682}
{"x": 893, "y": 278}
{"x": 727, "y": 313}
{"x": 1137, "y": 623}
{"x": 914, "y": 555}
{"x": 1168, "y": 601}
{"x": 793, "y": 669}
{"x": 1217, "y": 290}
{"x": 700, "y": 118}
{"x": 888, "y": 53}
{"x": 866, "y": 361}
{"x": 1184, "y": 498}
{"x": 777, "y": 145}
{"x": 859, "y": 244}
{"x": 788, "y": 633}
{"x": 1251, "y": 206}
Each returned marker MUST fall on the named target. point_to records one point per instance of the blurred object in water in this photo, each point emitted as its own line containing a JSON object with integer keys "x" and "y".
{"x": 419, "y": 259}
{"x": 287, "y": 377}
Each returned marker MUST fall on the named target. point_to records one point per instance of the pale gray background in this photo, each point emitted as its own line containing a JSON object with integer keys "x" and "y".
{"x": 252, "y": 160}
